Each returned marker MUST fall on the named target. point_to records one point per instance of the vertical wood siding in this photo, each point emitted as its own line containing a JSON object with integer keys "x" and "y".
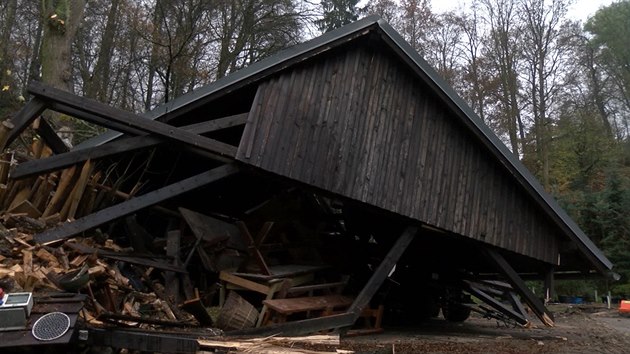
{"x": 359, "y": 124}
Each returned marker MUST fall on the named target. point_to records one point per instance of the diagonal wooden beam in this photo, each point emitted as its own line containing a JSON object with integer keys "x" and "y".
{"x": 56, "y": 162}
{"x": 383, "y": 270}
{"x": 26, "y": 116}
{"x": 50, "y": 137}
{"x": 519, "y": 285}
{"x": 132, "y": 120}
{"x": 71, "y": 228}
{"x": 93, "y": 118}
{"x": 496, "y": 304}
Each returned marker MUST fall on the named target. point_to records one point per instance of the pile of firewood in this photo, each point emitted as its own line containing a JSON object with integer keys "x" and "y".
{"x": 119, "y": 291}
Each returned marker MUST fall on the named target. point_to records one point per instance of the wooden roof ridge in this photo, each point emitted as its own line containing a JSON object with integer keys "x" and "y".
{"x": 374, "y": 24}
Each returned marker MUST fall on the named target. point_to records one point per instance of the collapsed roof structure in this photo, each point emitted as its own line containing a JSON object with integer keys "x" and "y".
{"x": 350, "y": 140}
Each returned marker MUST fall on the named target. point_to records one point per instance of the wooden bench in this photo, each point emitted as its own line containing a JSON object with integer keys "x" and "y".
{"x": 325, "y": 304}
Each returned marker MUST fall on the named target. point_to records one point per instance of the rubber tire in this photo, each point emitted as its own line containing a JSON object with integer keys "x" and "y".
{"x": 455, "y": 312}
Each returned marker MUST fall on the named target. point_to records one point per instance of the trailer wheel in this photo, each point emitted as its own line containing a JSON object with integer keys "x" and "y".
{"x": 455, "y": 312}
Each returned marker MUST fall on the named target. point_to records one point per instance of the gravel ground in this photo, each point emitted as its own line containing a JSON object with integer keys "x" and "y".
{"x": 578, "y": 329}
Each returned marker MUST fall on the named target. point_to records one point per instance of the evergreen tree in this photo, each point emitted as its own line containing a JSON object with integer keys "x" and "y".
{"x": 337, "y": 13}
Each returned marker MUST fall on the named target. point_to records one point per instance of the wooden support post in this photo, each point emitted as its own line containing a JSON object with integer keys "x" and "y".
{"x": 131, "y": 206}
{"x": 519, "y": 285}
{"x": 383, "y": 270}
{"x": 549, "y": 287}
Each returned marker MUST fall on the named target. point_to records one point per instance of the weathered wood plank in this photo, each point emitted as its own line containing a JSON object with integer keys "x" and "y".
{"x": 69, "y": 229}
{"x": 50, "y": 137}
{"x": 133, "y": 259}
{"x": 130, "y": 119}
{"x": 24, "y": 117}
{"x": 55, "y": 162}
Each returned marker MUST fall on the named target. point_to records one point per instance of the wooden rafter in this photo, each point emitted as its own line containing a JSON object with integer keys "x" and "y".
{"x": 56, "y": 162}
{"x": 68, "y": 229}
{"x": 123, "y": 118}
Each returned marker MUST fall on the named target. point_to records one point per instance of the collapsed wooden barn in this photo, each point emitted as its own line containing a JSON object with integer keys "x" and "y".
{"x": 343, "y": 155}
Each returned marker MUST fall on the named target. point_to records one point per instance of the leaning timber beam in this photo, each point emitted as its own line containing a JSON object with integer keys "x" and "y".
{"x": 347, "y": 319}
{"x": 56, "y": 162}
{"x": 129, "y": 119}
{"x": 46, "y": 132}
{"x": 93, "y": 118}
{"x": 519, "y": 317}
{"x": 519, "y": 285}
{"x": 25, "y": 116}
{"x": 71, "y": 228}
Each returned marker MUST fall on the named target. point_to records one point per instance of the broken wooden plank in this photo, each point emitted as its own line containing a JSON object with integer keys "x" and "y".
{"x": 131, "y": 206}
{"x": 77, "y": 192}
{"x": 261, "y": 344}
{"x": 23, "y": 118}
{"x": 48, "y": 134}
{"x": 195, "y": 307}
{"x": 6, "y": 127}
{"x": 61, "y": 192}
{"x": 298, "y": 328}
{"x": 244, "y": 283}
{"x": 130, "y": 119}
{"x": 133, "y": 259}
{"x": 55, "y": 162}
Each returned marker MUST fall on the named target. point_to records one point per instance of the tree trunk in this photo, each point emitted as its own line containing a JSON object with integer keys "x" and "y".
{"x": 100, "y": 81}
{"x": 6, "y": 61}
{"x": 61, "y": 21}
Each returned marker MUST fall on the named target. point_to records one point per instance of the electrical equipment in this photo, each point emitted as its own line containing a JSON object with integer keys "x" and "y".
{"x": 15, "y": 308}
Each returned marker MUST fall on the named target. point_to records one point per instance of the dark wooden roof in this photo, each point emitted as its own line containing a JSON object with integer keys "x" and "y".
{"x": 359, "y": 113}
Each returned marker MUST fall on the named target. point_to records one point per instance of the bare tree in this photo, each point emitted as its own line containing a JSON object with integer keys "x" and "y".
{"x": 544, "y": 48}
{"x": 504, "y": 51}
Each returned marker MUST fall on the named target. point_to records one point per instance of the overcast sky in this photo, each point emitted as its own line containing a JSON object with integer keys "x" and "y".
{"x": 580, "y": 10}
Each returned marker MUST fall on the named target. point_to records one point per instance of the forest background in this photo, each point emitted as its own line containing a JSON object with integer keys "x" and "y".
{"x": 555, "y": 90}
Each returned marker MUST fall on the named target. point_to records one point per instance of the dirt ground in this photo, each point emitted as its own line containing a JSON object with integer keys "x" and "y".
{"x": 579, "y": 329}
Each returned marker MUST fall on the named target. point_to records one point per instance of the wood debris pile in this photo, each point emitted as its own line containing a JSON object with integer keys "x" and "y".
{"x": 163, "y": 235}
